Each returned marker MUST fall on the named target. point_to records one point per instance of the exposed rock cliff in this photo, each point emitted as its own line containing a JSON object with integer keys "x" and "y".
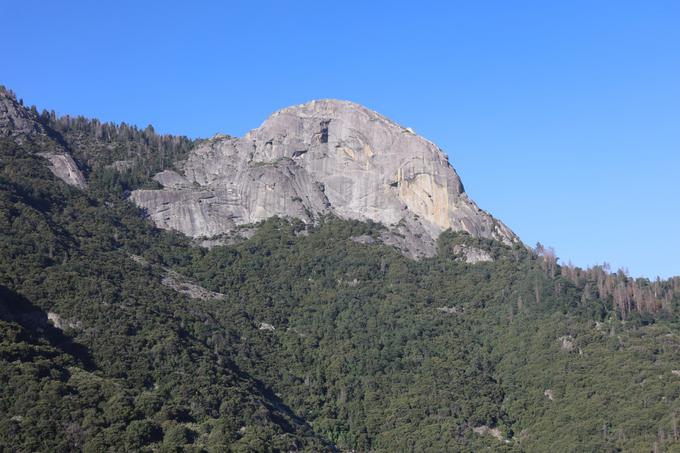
{"x": 21, "y": 125}
{"x": 15, "y": 120}
{"x": 65, "y": 168}
{"x": 320, "y": 158}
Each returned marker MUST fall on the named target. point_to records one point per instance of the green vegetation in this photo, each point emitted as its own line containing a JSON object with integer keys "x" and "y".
{"x": 129, "y": 370}
{"x": 318, "y": 343}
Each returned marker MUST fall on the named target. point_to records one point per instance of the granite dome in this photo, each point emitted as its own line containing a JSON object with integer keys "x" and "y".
{"x": 322, "y": 157}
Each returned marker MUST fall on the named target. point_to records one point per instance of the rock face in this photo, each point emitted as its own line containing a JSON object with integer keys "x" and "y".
{"x": 21, "y": 124}
{"x": 567, "y": 343}
{"x": 65, "y": 168}
{"x": 323, "y": 157}
{"x": 471, "y": 254}
{"x": 15, "y": 120}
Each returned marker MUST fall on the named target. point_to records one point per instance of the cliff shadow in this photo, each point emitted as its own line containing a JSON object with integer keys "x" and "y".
{"x": 14, "y": 307}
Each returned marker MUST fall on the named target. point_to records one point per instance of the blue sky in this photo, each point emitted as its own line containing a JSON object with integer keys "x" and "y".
{"x": 562, "y": 118}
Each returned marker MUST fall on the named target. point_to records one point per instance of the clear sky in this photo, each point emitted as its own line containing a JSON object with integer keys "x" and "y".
{"x": 562, "y": 118}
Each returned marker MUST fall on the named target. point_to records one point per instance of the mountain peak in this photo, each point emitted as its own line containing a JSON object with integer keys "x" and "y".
{"x": 323, "y": 157}
{"x": 331, "y": 107}
{"x": 337, "y": 109}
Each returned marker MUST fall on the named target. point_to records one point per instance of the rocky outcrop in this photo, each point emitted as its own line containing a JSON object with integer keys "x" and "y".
{"x": 323, "y": 157}
{"x": 266, "y": 326}
{"x": 180, "y": 283}
{"x": 61, "y": 323}
{"x": 185, "y": 286}
{"x": 567, "y": 343}
{"x": 65, "y": 168}
{"x": 488, "y": 431}
{"x": 471, "y": 254}
{"x": 15, "y": 120}
{"x": 22, "y": 125}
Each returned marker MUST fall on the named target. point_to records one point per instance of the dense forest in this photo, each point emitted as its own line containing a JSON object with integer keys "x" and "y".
{"x": 117, "y": 336}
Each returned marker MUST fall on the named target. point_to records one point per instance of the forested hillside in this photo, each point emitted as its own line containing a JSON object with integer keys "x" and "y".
{"x": 117, "y": 336}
